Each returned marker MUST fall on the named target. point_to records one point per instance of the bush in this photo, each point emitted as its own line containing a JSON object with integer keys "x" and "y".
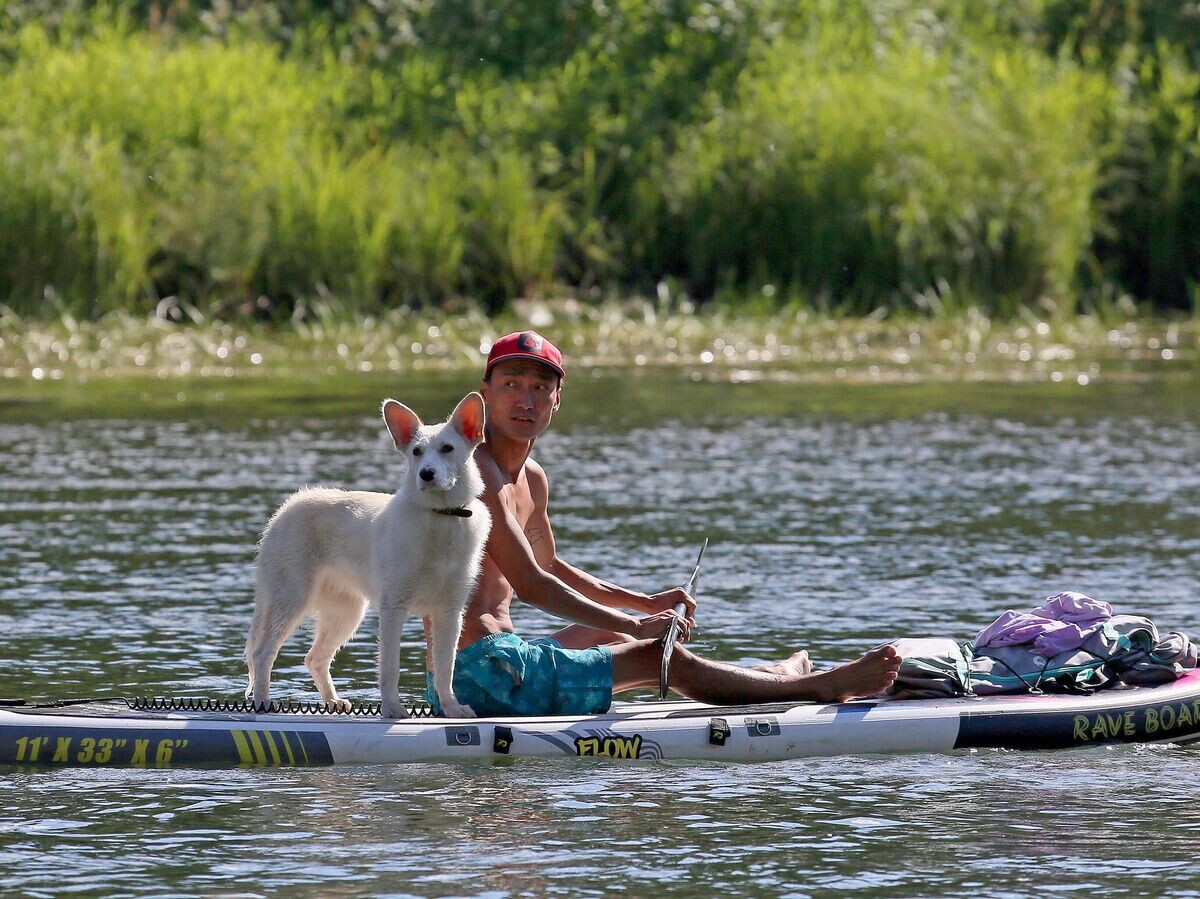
{"x": 856, "y": 153}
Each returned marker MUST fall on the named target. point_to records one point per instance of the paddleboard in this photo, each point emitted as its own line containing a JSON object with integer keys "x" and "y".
{"x": 210, "y": 733}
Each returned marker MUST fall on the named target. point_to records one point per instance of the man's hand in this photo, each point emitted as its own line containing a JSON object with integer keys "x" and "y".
{"x": 656, "y": 625}
{"x": 661, "y": 602}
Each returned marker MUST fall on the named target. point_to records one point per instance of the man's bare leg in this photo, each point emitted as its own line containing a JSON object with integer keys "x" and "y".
{"x": 578, "y": 636}
{"x": 637, "y": 665}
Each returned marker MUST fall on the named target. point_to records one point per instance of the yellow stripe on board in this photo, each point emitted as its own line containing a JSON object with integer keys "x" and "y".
{"x": 260, "y": 754}
{"x": 300, "y": 740}
{"x": 287, "y": 747}
{"x": 271, "y": 745}
{"x": 243, "y": 748}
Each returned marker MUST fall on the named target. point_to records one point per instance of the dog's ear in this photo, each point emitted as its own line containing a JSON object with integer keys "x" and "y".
{"x": 402, "y": 422}
{"x": 469, "y": 418}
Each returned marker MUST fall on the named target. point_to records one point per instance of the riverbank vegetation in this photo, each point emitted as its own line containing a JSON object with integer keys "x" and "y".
{"x": 713, "y": 344}
{"x": 262, "y": 161}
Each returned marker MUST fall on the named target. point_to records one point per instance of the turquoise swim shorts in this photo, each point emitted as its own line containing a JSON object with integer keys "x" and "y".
{"x": 503, "y": 674}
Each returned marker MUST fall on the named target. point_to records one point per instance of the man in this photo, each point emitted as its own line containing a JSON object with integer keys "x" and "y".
{"x": 607, "y": 650}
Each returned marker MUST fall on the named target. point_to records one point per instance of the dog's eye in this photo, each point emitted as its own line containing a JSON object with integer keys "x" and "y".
{"x": 447, "y": 448}
{"x": 417, "y": 451}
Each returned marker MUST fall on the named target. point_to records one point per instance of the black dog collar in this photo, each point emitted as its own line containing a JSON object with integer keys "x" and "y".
{"x": 457, "y": 513}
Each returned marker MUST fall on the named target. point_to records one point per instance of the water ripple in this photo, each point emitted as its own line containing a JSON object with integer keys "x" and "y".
{"x": 125, "y": 567}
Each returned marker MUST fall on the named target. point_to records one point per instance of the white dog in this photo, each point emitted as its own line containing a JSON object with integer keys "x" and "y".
{"x": 327, "y": 553}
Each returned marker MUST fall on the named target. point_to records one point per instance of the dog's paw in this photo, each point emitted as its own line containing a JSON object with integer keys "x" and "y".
{"x": 453, "y": 709}
{"x": 393, "y": 709}
{"x": 344, "y": 706}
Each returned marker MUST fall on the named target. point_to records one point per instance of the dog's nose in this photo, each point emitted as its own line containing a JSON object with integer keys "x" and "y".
{"x": 426, "y": 475}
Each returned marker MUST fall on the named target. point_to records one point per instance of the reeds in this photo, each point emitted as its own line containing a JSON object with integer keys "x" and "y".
{"x": 894, "y": 174}
{"x": 222, "y": 173}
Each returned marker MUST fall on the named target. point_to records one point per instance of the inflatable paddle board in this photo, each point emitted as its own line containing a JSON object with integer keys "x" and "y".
{"x": 212, "y": 733}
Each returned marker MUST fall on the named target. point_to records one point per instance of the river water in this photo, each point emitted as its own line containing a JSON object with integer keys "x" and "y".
{"x": 840, "y": 516}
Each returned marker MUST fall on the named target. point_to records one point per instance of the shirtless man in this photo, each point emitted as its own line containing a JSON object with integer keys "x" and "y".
{"x": 607, "y": 650}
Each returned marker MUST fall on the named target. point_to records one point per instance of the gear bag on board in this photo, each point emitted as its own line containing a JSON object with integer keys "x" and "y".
{"x": 1121, "y": 650}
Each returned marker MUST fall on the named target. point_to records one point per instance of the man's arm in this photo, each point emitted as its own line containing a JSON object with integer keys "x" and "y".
{"x": 541, "y": 540}
{"x": 511, "y": 552}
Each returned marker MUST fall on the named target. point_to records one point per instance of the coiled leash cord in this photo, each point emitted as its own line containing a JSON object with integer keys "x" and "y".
{"x": 209, "y": 704}
{"x": 274, "y": 707}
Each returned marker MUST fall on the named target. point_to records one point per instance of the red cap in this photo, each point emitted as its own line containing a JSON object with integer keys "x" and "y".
{"x": 525, "y": 345}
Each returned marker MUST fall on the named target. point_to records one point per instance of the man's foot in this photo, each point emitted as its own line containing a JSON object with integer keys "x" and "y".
{"x": 797, "y": 664}
{"x": 866, "y": 676}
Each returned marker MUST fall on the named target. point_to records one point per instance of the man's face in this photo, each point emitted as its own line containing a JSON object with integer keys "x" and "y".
{"x": 521, "y": 398}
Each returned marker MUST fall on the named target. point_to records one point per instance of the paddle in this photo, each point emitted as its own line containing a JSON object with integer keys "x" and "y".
{"x": 673, "y": 631}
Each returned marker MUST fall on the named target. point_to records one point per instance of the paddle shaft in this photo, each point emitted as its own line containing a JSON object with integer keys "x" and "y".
{"x": 672, "y": 634}
{"x": 681, "y": 608}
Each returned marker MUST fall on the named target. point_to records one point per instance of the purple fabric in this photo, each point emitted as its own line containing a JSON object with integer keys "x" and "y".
{"x": 1063, "y": 622}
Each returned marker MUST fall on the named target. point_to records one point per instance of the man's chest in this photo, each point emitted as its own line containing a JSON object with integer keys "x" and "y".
{"x": 517, "y": 500}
